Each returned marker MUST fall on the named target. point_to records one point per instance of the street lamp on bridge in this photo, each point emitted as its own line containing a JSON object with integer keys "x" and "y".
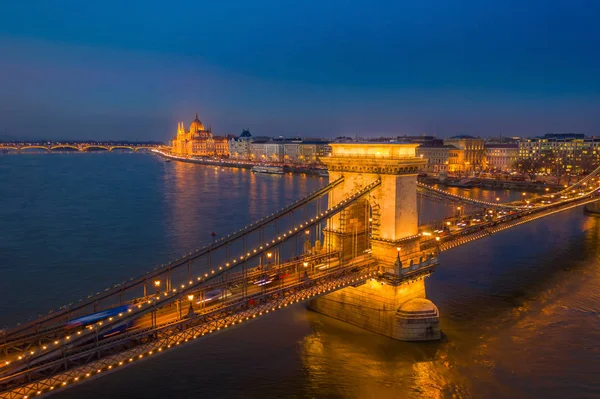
{"x": 191, "y": 299}
{"x": 157, "y": 286}
{"x": 307, "y": 246}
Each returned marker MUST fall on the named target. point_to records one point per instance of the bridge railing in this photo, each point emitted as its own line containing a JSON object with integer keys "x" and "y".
{"x": 511, "y": 218}
{"x": 118, "y": 289}
{"x": 106, "y": 325}
{"x": 215, "y": 273}
{"x": 426, "y": 189}
{"x": 303, "y": 289}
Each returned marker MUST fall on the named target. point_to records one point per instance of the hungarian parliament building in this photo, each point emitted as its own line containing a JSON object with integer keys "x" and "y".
{"x": 198, "y": 141}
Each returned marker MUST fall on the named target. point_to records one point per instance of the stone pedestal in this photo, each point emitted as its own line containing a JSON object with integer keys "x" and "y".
{"x": 386, "y": 252}
{"x": 592, "y": 209}
{"x": 400, "y": 312}
{"x": 418, "y": 320}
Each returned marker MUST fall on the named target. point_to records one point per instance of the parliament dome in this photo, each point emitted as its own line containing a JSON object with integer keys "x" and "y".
{"x": 196, "y": 125}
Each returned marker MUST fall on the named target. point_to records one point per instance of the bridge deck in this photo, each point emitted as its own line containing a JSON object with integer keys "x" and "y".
{"x": 80, "y": 362}
{"x": 36, "y": 327}
{"x": 157, "y": 322}
{"x": 107, "y": 325}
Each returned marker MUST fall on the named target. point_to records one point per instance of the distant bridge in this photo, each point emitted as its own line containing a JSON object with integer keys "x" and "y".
{"x": 57, "y": 146}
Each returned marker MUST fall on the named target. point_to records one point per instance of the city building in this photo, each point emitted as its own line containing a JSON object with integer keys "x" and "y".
{"x": 258, "y": 148}
{"x": 239, "y": 147}
{"x": 438, "y": 157}
{"x": 291, "y": 151}
{"x": 503, "y": 140}
{"x": 278, "y": 150}
{"x": 311, "y": 150}
{"x": 559, "y": 153}
{"x": 501, "y": 157}
{"x": 198, "y": 141}
{"x": 473, "y": 157}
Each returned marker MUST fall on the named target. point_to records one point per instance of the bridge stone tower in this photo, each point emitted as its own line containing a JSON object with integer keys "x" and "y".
{"x": 384, "y": 225}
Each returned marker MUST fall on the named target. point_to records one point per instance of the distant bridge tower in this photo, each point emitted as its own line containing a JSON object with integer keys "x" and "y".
{"x": 384, "y": 224}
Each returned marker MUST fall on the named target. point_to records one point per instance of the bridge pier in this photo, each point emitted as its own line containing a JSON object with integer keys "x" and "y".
{"x": 384, "y": 227}
{"x": 398, "y": 311}
{"x": 592, "y": 209}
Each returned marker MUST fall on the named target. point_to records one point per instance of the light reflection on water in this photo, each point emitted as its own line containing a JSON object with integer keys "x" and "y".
{"x": 519, "y": 310}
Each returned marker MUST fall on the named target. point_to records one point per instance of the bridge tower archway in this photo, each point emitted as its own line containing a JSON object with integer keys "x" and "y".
{"x": 385, "y": 221}
{"x": 387, "y": 218}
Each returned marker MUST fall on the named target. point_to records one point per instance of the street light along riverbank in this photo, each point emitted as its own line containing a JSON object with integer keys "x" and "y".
{"x": 240, "y": 164}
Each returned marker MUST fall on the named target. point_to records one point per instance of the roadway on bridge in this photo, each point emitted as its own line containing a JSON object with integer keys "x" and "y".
{"x": 45, "y": 375}
{"x": 235, "y": 287}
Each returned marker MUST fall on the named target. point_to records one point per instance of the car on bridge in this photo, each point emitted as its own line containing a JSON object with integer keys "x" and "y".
{"x": 215, "y": 295}
{"x": 269, "y": 278}
{"x": 98, "y": 316}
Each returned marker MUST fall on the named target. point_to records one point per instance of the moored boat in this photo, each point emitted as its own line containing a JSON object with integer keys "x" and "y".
{"x": 268, "y": 169}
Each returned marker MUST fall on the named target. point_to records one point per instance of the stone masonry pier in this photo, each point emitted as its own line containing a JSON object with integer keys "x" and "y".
{"x": 385, "y": 227}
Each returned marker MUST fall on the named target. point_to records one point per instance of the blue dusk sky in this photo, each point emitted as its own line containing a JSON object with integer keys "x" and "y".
{"x": 132, "y": 69}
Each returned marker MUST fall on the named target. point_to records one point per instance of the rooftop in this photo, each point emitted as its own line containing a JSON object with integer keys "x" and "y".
{"x": 461, "y": 136}
{"x": 427, "y": 146}
{"x": 506, "y": 145}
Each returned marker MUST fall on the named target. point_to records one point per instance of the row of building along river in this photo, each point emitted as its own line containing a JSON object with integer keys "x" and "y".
{"x": 520, "y": 311}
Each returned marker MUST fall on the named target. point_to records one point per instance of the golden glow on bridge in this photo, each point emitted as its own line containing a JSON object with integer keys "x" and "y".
{"x": 392, "y": 181}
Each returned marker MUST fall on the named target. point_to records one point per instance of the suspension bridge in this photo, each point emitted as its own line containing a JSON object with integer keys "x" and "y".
{"x": 353, "y": 245}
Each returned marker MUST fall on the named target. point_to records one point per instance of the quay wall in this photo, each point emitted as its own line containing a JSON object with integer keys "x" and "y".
{"x": 238, "y": 164}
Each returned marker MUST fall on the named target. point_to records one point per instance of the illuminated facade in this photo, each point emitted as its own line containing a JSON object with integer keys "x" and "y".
{"x": 558, "y": 153}
{"x": 473, "y": 152}
{"x": 239, "y": 147}
{"x": 442, "y": 158}
{"x": 198, "y": 141}
{"x": 437, "y": 156}
{"x": 395, "y": 307}
{"x": 278, "y": 150}
{"x": 501, "y": 157}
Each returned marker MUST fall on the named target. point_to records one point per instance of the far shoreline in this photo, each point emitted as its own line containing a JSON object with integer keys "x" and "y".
{"x": 238, "y": 164}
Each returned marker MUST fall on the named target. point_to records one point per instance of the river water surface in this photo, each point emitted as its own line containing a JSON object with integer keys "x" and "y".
{"x": 520, "y": 311}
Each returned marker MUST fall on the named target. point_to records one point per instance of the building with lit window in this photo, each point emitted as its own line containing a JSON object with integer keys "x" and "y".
{"x": 473, "y": 152}
{"x": 437, "y": 156}
{"x": 239, "y": 147}
{"x": 559, "y": 153}
{"x": 501, "y": 157}
{"x": 198, "y": 141}
{"x": 310, "y": 151}
{"x": 288, "y": 150}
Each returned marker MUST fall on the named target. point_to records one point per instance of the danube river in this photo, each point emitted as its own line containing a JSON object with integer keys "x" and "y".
{"x": 520, "y": 311}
